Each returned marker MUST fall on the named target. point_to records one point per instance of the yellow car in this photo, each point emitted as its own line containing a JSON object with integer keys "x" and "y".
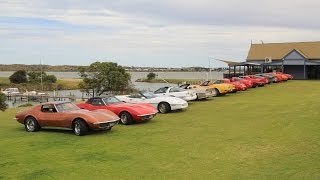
{"x": 218, "y": 89}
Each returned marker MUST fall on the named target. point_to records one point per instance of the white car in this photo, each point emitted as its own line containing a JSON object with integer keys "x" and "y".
{"x": 187, "y": 95}
{"x": 163, "y": 104}
{"x": 202, "y": 93}
{"x": 11, "y": 91}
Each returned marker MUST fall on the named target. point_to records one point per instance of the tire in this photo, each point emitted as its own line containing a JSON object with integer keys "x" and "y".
{"x": 80, "y": 128}
{"x": 125, "y": 118}
{"x": 215, "y": 92}
{"x": 31, "y": 124}
{"x": 164, "y": 107}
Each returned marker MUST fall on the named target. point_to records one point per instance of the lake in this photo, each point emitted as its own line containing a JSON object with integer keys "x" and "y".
{"x": 134, "y": 76}
{"x": 137, "y": 75}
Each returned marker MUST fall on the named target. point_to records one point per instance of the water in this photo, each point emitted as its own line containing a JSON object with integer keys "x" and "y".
{"x": 134, "y": 76}
{"x": 137, "y": 75}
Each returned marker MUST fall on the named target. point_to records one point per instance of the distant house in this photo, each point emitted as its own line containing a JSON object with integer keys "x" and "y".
{"x": 301, "y": 59}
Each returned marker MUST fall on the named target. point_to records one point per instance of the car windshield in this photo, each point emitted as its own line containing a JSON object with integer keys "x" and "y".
{"x": 184, "y": 86}
{"x": 205, "y": 83}
{"x": 66, "y": 106}
{"x": 111, "y": 100}
{"x": 148, "y": 95}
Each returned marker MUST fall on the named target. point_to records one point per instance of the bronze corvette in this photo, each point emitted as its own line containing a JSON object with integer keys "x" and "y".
{"x": 66, "y": 115}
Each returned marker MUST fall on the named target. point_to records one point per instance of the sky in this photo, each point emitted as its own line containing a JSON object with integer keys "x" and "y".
{"x": 166, "y": 33}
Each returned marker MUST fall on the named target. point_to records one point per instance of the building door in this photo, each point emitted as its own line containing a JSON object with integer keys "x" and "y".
{"x": 313, "y": 72}
{"x": 296, "y": 70}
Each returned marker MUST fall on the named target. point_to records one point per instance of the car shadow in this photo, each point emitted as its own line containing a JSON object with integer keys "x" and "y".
{"x": 64, "y": 131}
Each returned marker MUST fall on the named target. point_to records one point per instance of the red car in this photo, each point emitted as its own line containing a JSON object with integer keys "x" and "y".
{"x": 263, "y": 79}
{"x": 255, "y": 81}
{"x": 127, "y": 112}
{"x": 66, "y": 115}
{"x": 248, "y": 83}
{"x": 238, "y": 86}
{"x": 289, "y": 76}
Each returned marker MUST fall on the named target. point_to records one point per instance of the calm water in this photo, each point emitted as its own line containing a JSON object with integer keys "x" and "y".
{"x": 137, "y": 75}
{"x": 134, "y": 76}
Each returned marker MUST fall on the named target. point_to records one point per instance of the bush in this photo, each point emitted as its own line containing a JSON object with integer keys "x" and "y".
{"x": 18, "y": 77}
{"x": 151, "y": 76}
{"x": 3, "y": 105}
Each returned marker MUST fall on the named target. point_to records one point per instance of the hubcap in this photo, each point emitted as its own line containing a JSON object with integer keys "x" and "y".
{"x": 215, "y": 92}
{"x": 30, "y": 125}
{"x": 77, "y": 128}
{"x": 162, "y": 108}
{"x": 123, "y": 118}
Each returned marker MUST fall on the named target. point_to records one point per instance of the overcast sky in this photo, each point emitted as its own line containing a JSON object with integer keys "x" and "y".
{"x": 166, "y": 33}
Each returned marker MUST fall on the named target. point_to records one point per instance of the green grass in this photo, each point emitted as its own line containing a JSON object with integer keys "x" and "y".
{"x": 263, "y": 133}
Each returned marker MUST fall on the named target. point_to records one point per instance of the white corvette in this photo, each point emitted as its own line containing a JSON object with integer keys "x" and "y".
{"x": 187, "y": 95}
{"x": 163, "y": 104}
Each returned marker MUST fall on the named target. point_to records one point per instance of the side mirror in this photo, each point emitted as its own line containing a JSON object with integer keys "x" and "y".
{"x": 143, "y": 98}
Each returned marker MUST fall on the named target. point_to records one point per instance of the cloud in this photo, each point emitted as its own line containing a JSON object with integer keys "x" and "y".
{"x": 150, "y": 33}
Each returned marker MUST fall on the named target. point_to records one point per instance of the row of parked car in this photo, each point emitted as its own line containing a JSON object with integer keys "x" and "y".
{"x": 103, "y": 113}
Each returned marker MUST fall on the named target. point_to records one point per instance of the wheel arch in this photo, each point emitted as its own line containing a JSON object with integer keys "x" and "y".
{"x": 29, "y": 116}
{"x": 79, "y": 118}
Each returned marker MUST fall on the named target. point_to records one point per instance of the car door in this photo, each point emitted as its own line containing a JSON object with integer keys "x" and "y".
{"x": 50, "y": 117}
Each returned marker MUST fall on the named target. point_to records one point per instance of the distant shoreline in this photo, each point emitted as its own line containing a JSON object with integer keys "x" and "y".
{"x": 74, "y": 68}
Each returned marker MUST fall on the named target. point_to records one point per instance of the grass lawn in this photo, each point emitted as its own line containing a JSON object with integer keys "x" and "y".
{"x": 270, "y": 132}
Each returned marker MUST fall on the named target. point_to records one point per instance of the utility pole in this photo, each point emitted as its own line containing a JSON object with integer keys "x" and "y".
{"x": 41, "y": 76}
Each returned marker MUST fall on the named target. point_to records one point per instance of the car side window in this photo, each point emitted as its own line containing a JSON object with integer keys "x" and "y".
{"x": 161, "y": 90}
{"x": 135, "y": 96}
{"x": 97, "y": 102}
{"x": 174, "y": 89}
{"x": 49, "y": 108}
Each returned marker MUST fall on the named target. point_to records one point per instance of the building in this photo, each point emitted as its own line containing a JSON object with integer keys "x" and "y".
{"x": 301, "y": 59}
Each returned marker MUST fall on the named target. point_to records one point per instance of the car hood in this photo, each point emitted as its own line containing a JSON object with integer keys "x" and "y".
{"x": 139, "y": 108}
{"x": 101, "y": 115}
{"x": 170, "y": 100}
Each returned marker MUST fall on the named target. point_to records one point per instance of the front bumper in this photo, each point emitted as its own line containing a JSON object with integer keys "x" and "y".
{"x": 178, "y": 106}
{"x": 105, "y": 125}
{"x": 146, "y": 117}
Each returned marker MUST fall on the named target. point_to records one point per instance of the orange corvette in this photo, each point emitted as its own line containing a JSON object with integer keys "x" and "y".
{"x": 66, "y": 115}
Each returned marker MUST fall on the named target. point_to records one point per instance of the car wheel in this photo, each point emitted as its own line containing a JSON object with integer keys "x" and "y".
{"x": 126, "y": 118}
{"x": 215, "y": 92}
{"x": 31, "y": 124}
{"x": 164, "y": 107}
{"x": 80, "y": 128}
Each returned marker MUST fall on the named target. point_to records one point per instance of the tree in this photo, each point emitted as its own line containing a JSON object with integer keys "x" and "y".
{"x": 3, "y": 105}
{"x": 35, "y": 77}
{"x": 50, "y": 79}
{"x": 18, "y": 77}
{"x": 151, "y": 76}
{"x": 101, "y": 77}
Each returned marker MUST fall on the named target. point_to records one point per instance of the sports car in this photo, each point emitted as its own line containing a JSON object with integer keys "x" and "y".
{"x": 202, "y": 93}
{"x": 187, "y": 95}
{"x": 127, "y": 112}
{"x": 238, "y": 86}
{"x": 218, "y": 89}
{"x": 66, "y": 115}
{"x": 163, "y": 104}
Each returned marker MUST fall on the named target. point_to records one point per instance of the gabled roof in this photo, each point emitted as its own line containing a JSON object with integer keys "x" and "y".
{"x": 277, "y": 51}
